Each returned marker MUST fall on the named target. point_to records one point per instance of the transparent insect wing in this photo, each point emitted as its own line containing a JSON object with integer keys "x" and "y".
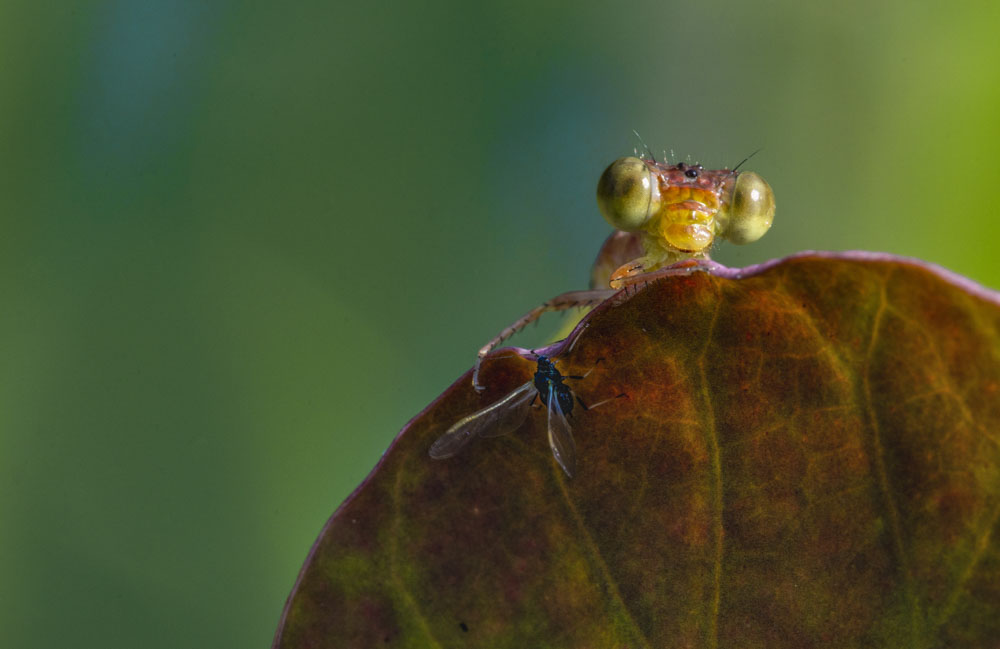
{"x": 498, "y": 418}
{"x": 561, "y": 436}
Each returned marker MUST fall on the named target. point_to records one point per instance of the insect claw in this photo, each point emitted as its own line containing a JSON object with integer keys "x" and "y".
{"x": 478, "y": 387}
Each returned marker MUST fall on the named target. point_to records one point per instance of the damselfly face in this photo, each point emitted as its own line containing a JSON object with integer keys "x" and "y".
{"x": 506, "y": 415}
{"x": 677, "y": 211}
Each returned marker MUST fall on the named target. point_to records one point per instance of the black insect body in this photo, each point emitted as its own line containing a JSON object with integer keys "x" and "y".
{"x": 549, "y": 382}
{"x": 506, "y": 415}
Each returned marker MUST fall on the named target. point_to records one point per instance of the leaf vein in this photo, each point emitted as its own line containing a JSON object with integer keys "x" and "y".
{"x": 882, "y": 472}
{"x": 401, "y": 587}
{"x": 717, "y": 495}
{"x": 598, "y": 559}
{"x": 982, "y": 543}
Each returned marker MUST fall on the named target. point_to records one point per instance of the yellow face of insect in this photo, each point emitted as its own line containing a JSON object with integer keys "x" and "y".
{"x": 681, "y": 208}
{"x": 686, "y": 221}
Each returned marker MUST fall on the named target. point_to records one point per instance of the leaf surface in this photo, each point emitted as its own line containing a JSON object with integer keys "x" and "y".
{"x": 808, "y": 455}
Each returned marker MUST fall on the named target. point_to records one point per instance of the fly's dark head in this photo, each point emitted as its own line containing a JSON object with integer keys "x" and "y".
{"x": 546, "y": 366}
{"x": 546, "y": 375}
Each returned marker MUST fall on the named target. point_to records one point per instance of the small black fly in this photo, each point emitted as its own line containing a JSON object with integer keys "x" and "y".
{"x": 506, "y": 415}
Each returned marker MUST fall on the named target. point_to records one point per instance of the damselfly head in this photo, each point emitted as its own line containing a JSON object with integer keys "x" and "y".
{"x": 680, "y": 209}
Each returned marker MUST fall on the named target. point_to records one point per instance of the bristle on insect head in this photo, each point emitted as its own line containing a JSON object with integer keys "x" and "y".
{"x": 644, "y": 146}
{"x": 737, "y": 167}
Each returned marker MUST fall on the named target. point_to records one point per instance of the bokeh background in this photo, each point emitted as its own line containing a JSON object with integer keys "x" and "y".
{"x": 243, "y": 243}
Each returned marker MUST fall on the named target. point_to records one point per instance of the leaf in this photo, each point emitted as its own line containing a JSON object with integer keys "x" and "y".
{"x": 808, "y": 456}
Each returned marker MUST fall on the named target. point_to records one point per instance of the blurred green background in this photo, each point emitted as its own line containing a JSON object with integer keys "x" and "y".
{"x": 244, "y": 242}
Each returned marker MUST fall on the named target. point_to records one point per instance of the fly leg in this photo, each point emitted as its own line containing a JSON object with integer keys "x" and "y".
{"x": 596, "y": 363}
{"x": 585, "y": 375}
{"x": 559, "y": 303}
{"x": 579, "y": 377}
{"x": 599, "y": 403}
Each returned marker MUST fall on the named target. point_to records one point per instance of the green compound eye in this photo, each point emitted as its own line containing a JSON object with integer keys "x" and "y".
{"x": 751, "y": 210}
{"x": 627, "y": 194}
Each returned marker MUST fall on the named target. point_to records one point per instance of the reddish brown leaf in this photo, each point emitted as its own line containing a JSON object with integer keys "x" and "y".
{"x": 808, "y": 456}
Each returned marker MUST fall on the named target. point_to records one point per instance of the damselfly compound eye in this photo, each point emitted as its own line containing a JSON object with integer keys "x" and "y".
{"x": 751, "y": 210}
{"x": 627, "y": 194}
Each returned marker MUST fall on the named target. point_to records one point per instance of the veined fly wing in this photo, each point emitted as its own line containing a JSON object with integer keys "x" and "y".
{"x": 499, "y": 418}
{"x": 561, "y": 436}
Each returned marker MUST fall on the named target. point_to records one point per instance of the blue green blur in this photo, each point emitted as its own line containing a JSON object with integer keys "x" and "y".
{"x": 242, "y": 243}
